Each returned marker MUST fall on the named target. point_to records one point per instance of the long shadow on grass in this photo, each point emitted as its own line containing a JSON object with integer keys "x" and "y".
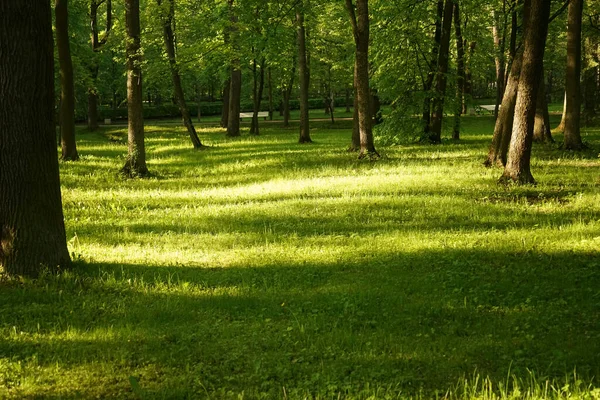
{"x": 401, "y": 320}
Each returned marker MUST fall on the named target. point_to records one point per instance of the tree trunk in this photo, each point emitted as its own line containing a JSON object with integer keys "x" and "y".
{"x": 270, "y": 95}
{"x": 198, "y": 100}
{"x": 135, "y": 164}
{"x": 541, "y": 130}
{"x": 97, "y": 44}
{"x": 32, "y": 230}
{"x": 499, "y": 60}
{"x": 504, "y": 123}
{"x": 304, "y": 77}
{"x": 233, "y": 118}
{"x": 168, "y": 21}
{"x": 259, "y": 85}
{"x": 590, "y": 78}
{"x": 67, "y": 91}
{"x": 355, "y": 144}
{"x": 573, "y": 87}
{"x": 435, "y": 134}
{"x": 225, "y": 112}
{"x": 518, "y": 165}
{"x": 359, "y": 19}
{"x": 426, "y": 116}
{"x": 460, "y": 67}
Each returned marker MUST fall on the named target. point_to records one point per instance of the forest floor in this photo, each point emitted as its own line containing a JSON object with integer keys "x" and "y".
{"x": 261, "y": 268}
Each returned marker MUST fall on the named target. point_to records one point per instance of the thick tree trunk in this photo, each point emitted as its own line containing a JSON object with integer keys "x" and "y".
{"x": 304, "y": 77}
{"x": 518, "y": 165}
{"x": 426, "y": 115}
{"x": 135, "y": 164}
{"x": 359, "y": 19}
{"x": 541, "y": 130}
{"x": 233, "y": 117}
{"x": 67, "y": 90}
{"x": 168, "y": 21}
{"x": 225, "y": 112}
{"x": 460, "y": 71}
{"x": 504, "y": 123}
{"x": 572, "y": 113}
{"x": 32, "y": 231}
{"x": 435, "y": 134}
{"x": 259, "y": 85}
{"x": 355, "y": 143}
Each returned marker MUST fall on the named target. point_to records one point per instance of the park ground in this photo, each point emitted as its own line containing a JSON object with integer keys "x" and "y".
{"x": 261, "y": 268}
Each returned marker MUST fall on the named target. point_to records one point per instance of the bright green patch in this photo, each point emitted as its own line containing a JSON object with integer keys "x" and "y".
{"x": 261, "y": 268}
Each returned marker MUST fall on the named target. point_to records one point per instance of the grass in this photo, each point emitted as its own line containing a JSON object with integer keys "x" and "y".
{"x": 266, "y": 269}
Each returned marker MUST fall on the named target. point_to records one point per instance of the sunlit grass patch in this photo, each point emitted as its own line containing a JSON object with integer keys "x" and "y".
{"x": 260, "y": 268}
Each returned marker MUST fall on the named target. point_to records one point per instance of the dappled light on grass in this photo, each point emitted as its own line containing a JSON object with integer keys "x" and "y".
{"x": 259, "y": 265}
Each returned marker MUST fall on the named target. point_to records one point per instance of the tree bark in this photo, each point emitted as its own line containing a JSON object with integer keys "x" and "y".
{"x": 572, "y": 113}
{"x": 168, "y": 21}
{"x": 460, "y": 71}
{"x": 135, "y": 164}
{"x": 504, "y": 123}
{"x": 359, "y": 19}
{"x": 67, "y": 90}
{"x": 518, "y": 165}
{"x": 499, "y": 60}
{"x": 541, "y": 130}
{"x": 32, "y": 230}
{"x": 225, "y": 112}
{"x": 97, "y": 44}
{"x": 435, "y": 134}
{"x": 233, "y": 117}
{"x": 426, "y": 115}
{"x": 304, "y": 77}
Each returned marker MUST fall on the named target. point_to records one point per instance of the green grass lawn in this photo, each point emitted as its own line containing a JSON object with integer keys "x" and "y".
{"x": 261, "y": 268}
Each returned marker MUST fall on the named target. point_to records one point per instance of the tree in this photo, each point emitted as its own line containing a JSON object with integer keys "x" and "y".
{"x": 235, "y": 92}
{"x": 460, "y": 72}
{"x": 573, "y": 87}
{"x": 168, "y": 21}
{"x": 304, "y": 78}
{"x": 359, "y": 19}
{"x": 518, "y": 165}
{"x": 32, "y": 231}
{"x": 97, "y": 44}
{"x": 435, "y": 134}
{"x": 67, "y": 90}
{"x": 135, "y": 164}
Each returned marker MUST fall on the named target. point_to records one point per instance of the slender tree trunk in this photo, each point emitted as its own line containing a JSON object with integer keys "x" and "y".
{"x": 499, "y": 60}
{"x": 233, "y": 121}
{"x": 435, "y": 134}
{"x": 97, "y": 44}
{"x": 563, "y": 118}
{"x": 32, "y": 230}
{"x": 168, "y": 21}
{"x": 67, "y": 90}
{"x": 259, "y": 85}
{"x": 590, "y": 78}
{"x": 518, "y": 165}
{"x": 541, "y": 130}
{"x": 573, "y": 87}
{"x": 347, "y": 100}
{"x": 468, "y": 94}
{"x": 225, "y": 112}
{"x": 460, "y": 66}
{"x": 426, "y": 116}
{"x": 270, "y": 95}
{"x": 359, "y": 19}
{"x": 135, "y": 164}
{"x": 504, "y": 123}
{"x": 304, "y": 77}
{"x": 198, "y": 100}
